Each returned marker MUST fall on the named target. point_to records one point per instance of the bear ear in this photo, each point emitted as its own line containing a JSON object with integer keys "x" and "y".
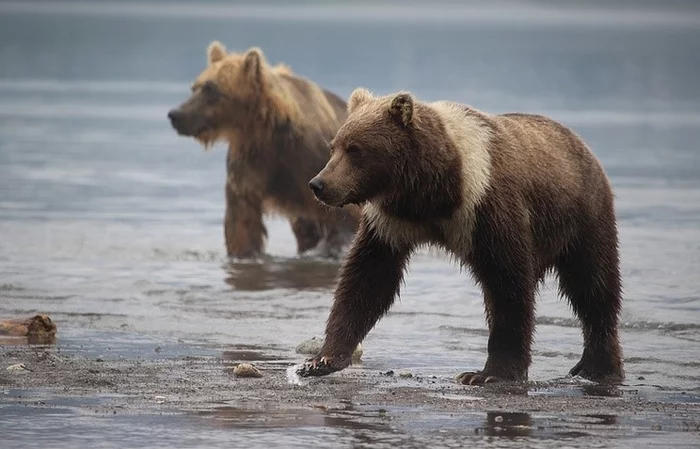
{"x": 216, "y": 52}
{"x": 283, "y": 69}
{"x": 358, "y": 97}
{"x": 402, "y": 108}
{"x": 252, "y": 62}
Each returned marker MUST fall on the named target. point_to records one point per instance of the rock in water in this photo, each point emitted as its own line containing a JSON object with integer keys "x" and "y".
{"x": 39, "y": 329}
{"x": 357, "y": 353}
{"x": 313, "y": 346}
{"x": 246, "y": 370}
{"x": 309, "y": 347}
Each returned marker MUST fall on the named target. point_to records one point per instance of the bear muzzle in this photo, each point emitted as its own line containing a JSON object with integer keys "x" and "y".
{"x": 318, "y": 187}
{"x": 185, "y": 124}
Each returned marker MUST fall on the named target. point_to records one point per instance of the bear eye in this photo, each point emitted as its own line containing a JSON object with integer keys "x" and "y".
{"x": 209, "y": 88}
{"x": 352, "y": 149}
{"x": 210, "y": 92}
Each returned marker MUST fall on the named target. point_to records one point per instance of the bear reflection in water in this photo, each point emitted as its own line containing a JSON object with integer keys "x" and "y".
{"x": 296, "y": 274}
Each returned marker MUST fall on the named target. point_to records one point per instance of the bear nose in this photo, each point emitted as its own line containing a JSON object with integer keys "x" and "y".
{"x": 174, "y": 114}
{"x": 316, "y": 185}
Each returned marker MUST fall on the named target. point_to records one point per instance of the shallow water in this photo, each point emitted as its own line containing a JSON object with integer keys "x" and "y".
{"x": 111, "y": 223}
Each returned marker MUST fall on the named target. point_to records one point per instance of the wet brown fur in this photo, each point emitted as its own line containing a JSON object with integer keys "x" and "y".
{"x": 277, "y": 126}
{"x": 509, "y": 196}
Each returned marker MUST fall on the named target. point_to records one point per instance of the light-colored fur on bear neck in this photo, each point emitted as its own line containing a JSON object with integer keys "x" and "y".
{"x": 472, "y": 139}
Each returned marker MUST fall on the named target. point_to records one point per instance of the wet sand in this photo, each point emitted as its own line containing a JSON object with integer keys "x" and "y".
{"x": 359, "y": 406}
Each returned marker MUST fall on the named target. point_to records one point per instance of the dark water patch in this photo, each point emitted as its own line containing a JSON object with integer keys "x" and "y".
{"x": 556, "y": 389}
{"x": 114, "y": 345}
{"x": 10, "y": 288}
{"x": 535, "y": 429}
{"x": 41, "y": 297}
{"x": 93, "y": 314}
{"x": 296, "y": 274}
{"x": 456, "y": 330}
{"x": 49, "y": 402}
{"x": 556, "y": 354}
{"x": 661, "y": 326}
{"x": 572, "y": 388}
{"x": 238, "y": 418}
{"x": 692, "y": 335}
{"x": 241, "y": 355}
{"x": 636, "y": 325}
{"x": 242, "y": 315}
{"x": 648, "y": 360}
{"x": 427, "y": 313}
{"x": 156, "y": 292}
{"x": 187, "y": 256}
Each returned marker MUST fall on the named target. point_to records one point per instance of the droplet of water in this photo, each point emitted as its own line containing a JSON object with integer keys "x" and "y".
{"x": 292, "y": 376}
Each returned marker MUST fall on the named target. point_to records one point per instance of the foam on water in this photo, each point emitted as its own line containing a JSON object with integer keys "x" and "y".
{"x": 292, "y": 377}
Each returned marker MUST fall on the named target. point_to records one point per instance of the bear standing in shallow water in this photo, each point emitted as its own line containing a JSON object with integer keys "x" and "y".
{"x": 510, "y": 196}
{"x": 277, "y": 126}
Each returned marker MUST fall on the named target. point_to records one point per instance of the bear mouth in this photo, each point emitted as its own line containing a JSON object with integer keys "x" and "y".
{"x": 330, "y": 200}
{"x": 189, "y": 126}
{"x": 202, "y": 132}
{"x": 192, "y": 131}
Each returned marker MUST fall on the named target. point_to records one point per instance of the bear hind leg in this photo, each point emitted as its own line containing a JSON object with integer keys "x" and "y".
{"x": 307, "y": 233}
{"x": 589, "y": 276}
{"x": 338, "y": 229}
{"x": 510, "y": 311}
{"x": 244, "y": 230}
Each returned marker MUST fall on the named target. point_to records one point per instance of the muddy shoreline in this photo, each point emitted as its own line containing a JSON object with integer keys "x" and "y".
{"x": 410, "y": 410}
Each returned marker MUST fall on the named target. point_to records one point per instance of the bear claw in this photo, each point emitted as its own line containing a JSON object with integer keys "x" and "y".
{"x": 596, "y": 374}
{"x": 318, "y": 366}
{"x": 476, "y": 378}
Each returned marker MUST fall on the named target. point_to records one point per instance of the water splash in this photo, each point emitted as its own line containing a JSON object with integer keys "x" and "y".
{"x": 292, "y": 377}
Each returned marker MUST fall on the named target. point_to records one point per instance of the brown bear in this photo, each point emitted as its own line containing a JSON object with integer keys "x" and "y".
{"x": 277, "y": 126}
{"x": 510, "y": 196}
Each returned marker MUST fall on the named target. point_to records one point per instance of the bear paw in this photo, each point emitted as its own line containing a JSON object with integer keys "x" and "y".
{"x": 477, "y": 378}
{"x": 322, "y": 366}
{"x": 601, "y": 372}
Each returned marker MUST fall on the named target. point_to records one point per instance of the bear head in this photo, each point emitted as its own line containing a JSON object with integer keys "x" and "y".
{"x": 388, "y": 150}
{"x": 228, "y": 94}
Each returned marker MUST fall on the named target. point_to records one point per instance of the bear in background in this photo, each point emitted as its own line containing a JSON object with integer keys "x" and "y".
{"x": 510, "y": 196}
{"x": 277, "y": 126}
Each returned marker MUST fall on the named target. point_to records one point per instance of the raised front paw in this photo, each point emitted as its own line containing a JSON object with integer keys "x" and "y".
{"x": 322, "y": 366}
{"x": 477, "y": 378}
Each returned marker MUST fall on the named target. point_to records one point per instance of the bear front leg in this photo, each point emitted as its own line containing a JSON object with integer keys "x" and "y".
{"x": 369, "y": 282}
{"x": 244, "y": 230}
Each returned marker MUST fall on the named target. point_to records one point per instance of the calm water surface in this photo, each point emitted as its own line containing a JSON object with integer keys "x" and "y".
{"x": 110, "y": 222}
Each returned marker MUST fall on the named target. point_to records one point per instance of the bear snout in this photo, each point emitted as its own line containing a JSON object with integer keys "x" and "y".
{"x": 186, "y": 124}
{"x": 329, "y": 194}
{"x": 175, "y": 117}
{"x": 316, "y": 185}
